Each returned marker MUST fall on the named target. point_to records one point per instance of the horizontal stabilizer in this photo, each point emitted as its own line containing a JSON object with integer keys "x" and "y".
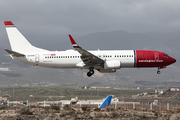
{"x": 13, "y": 53}
{"x": 106, "y": 102}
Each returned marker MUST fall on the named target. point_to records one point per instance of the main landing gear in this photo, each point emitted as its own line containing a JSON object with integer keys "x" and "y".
{"x": 158, "y": 72}
{"x": 91, "y": 72}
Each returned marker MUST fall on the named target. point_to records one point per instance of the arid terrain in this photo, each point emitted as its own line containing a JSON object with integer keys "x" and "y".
{"x": 166, "y": 108}
{"x": 85, "y": 113}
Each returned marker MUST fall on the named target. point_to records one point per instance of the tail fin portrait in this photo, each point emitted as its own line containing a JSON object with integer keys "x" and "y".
{"x": 106, "y": 102}
{"x": 17, "y": 41}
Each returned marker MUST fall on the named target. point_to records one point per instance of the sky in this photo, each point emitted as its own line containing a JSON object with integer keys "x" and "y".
{"x": 82, "y": 17}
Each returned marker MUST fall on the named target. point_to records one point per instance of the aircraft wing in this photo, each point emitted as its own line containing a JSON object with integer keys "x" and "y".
{"x": 13, "y": 53}
{"x": 88, "y": 58}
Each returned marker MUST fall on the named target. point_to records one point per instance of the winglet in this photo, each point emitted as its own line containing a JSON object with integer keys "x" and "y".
{"x": 106, "y": 102}
{"x": 8, "y": 23}
{"x": 72, "y": 41}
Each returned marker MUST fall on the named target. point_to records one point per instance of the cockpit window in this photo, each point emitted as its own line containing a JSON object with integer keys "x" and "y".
{"x": 165, "y": 55}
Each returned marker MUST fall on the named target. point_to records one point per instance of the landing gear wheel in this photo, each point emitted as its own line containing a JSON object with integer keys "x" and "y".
{"x": 91, "y": 72}
{"x": 158, "y": 72}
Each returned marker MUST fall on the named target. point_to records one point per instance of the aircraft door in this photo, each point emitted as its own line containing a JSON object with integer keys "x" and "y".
{"x": 156, "y": 56}
{"x": 36, "y": 59}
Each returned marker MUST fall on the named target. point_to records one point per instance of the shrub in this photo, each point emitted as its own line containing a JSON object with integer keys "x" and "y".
{"x": 66, "y": 107}
{"x": 85, "y": 108}
{"x": 178, "y": 110}
{"x": 55, "y": 107}
{"x": 2, "y": 107}
{"x": 97, "y": 109}
{"x": 25, "y": 111}
{"x": 156, "y": 113}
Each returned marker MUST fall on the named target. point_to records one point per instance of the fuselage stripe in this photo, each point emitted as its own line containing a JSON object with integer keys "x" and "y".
{"x": 134, "y": 58}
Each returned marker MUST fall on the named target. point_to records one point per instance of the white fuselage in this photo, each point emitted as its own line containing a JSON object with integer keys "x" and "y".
{"x": 71, "y": 58}
{"x": 102, "y": 60}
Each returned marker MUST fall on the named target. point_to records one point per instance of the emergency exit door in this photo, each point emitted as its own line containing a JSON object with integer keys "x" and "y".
{"x": 37, "y": 59}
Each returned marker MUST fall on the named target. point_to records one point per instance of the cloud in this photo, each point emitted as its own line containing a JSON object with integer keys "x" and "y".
{"x": 84, "y": 17}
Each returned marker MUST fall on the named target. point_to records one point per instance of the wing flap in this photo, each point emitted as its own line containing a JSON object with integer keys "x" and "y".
{"x": 13, "y": 53}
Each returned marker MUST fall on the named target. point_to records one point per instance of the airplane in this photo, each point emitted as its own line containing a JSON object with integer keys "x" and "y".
{"x": 106, "y": 102}
{"x": 104, "y": 61}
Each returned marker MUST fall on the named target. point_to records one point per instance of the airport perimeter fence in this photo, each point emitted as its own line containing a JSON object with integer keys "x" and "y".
{"x": 115, "y": 105}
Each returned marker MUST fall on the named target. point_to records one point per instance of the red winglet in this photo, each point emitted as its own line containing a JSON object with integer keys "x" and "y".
{"x": 8, "y": 23}
{"x": 72, "y": 40}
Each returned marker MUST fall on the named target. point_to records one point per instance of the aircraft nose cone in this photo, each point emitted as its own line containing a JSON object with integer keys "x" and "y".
{"x": 173, "y": 60}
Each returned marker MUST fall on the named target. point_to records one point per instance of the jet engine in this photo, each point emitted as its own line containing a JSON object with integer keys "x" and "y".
{"x": 112, "y": 64}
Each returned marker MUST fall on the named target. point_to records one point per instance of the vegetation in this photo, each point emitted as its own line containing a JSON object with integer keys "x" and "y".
{"x": 55, "y": 107}
{"x": 66, "y": 107}
{"x": 85, "y": 108}
{"x": 97, "y": 109}
{"x": 3, "y": 107}
{"x": 60, "y": 93}
{"x": 25, "y": 111}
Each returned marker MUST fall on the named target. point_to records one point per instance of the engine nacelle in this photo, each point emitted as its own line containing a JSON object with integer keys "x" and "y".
{"x": 112, "y": 64}
{"x": 107, "y": 70}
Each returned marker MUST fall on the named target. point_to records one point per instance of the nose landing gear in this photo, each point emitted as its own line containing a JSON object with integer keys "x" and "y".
{"x": 158, "y": 72}
{"x": 91, "y": 72}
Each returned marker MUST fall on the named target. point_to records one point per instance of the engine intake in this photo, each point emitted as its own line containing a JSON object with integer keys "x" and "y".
{"x": 112, "y": 64}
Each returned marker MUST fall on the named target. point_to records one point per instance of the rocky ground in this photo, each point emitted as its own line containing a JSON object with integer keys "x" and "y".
{"x": 85, "y": 113}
